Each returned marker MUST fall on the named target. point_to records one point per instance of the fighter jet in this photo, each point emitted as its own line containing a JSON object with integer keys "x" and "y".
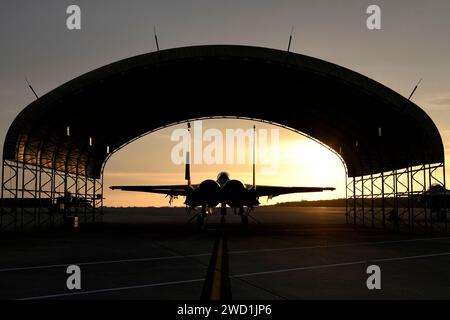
{"x": 223, "y": 191}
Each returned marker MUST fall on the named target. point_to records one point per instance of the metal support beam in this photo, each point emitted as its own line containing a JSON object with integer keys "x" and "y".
{"x": 396, "y": 195}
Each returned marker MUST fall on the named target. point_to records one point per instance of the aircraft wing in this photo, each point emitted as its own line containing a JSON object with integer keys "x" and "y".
{"x": 273, "y": 191}
{"x": 171, "y": 190}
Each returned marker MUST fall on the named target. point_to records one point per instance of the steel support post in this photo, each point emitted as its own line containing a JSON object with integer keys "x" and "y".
{"x": 372, "y": 201}
{"x": 445, "y": 201}
{"x": 426, "y": 201}
{"x": 9, "y": 191}
{"x": 362, "y": 201}
{"x": 349, "y": 200}
{"x": 88, "y": 203}
{"x": 2, "y": 197}
{"x": 346, "y": 198}
{"x": 430, "y": 182}
{"x": 354, "y": 201}
{"x": 98, "y": 199}
{"x": 383, "y": 204}
{"x": 411, "y": 195}
{"x": 409, "y": 201}
{"x": 94, "y": 199}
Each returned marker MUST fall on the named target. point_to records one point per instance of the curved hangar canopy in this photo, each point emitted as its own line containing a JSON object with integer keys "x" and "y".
{"x": 118, "y": 102}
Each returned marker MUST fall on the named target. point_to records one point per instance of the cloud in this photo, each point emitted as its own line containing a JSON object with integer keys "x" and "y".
{"x": 440, "y": 102}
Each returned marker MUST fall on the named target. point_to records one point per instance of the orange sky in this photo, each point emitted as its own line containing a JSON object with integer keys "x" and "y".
{"x": 147, "y": 161}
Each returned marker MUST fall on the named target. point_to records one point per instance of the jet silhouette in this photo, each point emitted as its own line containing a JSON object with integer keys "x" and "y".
{"x": 224, "y": 191}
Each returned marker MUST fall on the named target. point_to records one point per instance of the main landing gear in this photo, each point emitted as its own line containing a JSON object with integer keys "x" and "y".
{"x": 243, "y": 213}
{"x": 244, "y": 218}
{"x": 201, "y": 217}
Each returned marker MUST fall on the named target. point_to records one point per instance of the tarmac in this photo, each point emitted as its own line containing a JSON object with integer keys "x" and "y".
{"x": 289, "y": 253}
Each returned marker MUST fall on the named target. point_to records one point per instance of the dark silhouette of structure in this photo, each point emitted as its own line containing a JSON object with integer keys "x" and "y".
{"x": 59, "y": 143}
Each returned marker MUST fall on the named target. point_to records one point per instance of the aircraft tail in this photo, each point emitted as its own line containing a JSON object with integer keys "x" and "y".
{"x": 187, "y": 169}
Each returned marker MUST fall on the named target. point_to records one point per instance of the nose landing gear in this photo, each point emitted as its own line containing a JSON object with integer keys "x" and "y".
{"x": 223, "y": 213}
{"x": 201, "y": 217}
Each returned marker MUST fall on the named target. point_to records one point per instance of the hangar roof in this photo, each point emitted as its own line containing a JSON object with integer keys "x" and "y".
{"x": 123, "y": 100}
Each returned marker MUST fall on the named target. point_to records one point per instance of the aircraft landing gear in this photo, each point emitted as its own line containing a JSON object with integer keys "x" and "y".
{"x": 244, "y": 218}
{"x": 201, "y": 218}
{"x": 223, "y": 213}
{"x": 200, "y": 221}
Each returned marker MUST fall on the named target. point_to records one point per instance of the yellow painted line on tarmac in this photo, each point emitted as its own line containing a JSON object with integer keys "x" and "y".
{"x": 217, "y": 277}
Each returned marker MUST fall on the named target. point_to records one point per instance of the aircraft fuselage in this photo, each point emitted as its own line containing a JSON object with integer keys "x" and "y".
{"x": 210, "y": 194}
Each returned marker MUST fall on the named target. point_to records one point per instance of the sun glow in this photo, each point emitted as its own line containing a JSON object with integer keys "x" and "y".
{"x": 147, "y": 161}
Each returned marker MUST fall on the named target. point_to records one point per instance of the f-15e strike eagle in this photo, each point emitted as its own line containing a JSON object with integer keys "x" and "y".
{"x": 224, "y": 191}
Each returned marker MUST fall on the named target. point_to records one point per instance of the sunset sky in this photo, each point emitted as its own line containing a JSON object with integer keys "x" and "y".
{"x": 412, "y": 44}
{"x": 299, "y": 161}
